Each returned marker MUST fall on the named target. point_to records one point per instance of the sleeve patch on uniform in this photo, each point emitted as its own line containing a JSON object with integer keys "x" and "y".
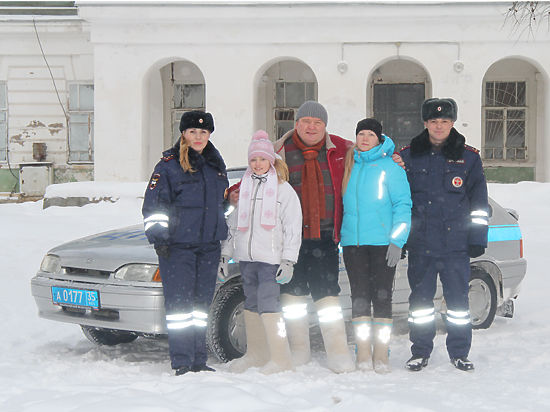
{"x": 154, "y": 181}
{"x": 457, "y": 181}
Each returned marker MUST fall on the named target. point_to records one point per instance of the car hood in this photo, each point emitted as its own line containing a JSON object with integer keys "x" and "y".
{"x": 107, "y": 251}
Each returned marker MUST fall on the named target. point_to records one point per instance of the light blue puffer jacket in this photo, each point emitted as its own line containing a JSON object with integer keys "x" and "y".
{"x": 377, "y": 201}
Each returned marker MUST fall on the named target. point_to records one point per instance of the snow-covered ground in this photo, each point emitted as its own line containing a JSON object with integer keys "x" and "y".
{"x": 50, "y": 366}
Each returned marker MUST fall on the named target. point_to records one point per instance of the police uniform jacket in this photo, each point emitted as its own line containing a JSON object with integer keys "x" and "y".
{"x": 449, "y": 194}
{"x": 186, "y": 207}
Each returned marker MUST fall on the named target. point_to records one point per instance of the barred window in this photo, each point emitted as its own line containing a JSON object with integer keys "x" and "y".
{"x": 3, "y": 122}
{"x": 186, "y": 97}
{"x": 505, "y": 116}
{"x": 81, "y": 122}
{"x": 289, "y": 96}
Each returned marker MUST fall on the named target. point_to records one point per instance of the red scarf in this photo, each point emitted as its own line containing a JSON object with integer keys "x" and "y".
{"x": 313, "y": 188}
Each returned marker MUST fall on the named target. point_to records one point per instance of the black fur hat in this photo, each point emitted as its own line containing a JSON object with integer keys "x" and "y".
{"x": 370, "y": 124}
{"x": 197, "y": 120}
{"x": 435, "y": 108}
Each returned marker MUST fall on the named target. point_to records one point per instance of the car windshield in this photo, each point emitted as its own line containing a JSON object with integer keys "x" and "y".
{"x": 235, "y": 174}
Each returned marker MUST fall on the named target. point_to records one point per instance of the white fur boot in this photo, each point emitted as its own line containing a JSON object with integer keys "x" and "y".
{"x": 382, "y": 334}
{"x": 297, "y": 327}
{"x": 333, "y": 329}
{"x": 256, "y": 344}
{"x": 362, "y": 327}
{"x": 279, "y": 350}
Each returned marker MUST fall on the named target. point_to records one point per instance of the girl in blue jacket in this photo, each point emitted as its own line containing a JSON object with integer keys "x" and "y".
{"x": 376, "y": 224}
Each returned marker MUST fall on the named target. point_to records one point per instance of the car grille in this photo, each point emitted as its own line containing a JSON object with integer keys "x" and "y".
{"x": 109, "y": 314}
{"x": 87, "y": 272}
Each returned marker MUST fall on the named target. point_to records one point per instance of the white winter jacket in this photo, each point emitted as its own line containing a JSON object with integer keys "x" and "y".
{"x": 257, "y": 244}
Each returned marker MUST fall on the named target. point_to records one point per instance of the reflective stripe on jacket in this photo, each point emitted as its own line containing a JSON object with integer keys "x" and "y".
{"x": 449, "y": 193}
{"x": 377, "y": 201}
{"x": 191, "y": 204}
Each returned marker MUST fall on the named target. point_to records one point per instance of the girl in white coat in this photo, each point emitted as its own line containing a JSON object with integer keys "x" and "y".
{"x": 265, "y": 234}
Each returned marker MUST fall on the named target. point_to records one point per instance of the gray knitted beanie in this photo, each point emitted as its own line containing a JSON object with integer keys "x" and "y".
{"x": 312, "y": 109}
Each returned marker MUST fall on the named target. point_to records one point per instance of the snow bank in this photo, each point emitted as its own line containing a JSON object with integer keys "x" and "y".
{"x": 50, "y": 366}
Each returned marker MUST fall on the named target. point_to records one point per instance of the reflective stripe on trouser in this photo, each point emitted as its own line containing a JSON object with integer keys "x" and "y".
{"x": 454, "y": 273}
{"x": 188, "y": 279}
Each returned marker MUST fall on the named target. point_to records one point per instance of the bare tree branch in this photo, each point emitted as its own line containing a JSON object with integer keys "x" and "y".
{"x": 526, "y": 16}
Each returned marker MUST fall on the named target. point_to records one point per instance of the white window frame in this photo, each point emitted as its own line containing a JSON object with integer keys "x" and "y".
{"x": 177, "y": 112}
{"x": 4, "y": 122}
{"x": 290, "y": 110}
{"x": 504, "y": 110}
{"x": 75, "y": 111}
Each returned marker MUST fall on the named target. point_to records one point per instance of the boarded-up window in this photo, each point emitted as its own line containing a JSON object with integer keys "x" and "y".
{"x": 505, "y": 114}
{"x": 186, "y": 97}
{"x": 81, "y": 123}
{"x": 3, "y": 122}
{"x": 289, "y": 96}
{"x": 397, "y": 106}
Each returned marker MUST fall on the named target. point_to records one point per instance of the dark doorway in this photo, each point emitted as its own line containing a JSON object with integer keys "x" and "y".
{"x": 397, "y": 107}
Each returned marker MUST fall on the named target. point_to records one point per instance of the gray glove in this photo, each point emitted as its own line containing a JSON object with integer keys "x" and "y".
{"x": 393, "y": 255}
{"x": 223, "y": 268}
{"x": 285, "y": 272}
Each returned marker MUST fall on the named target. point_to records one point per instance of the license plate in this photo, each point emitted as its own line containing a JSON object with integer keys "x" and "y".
{"x": 75, "y": 297}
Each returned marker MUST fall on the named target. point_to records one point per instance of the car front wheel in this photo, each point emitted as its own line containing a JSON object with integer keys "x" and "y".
{"x": 483, "y": 299}
{"x": 108, "y": 337}
{"x": 226, "y": 333}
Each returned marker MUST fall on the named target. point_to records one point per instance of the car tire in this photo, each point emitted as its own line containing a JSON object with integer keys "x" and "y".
{"x": 226, "y": 333}
{"x": 483, "y": 299}
{"x": 108, "y": 337}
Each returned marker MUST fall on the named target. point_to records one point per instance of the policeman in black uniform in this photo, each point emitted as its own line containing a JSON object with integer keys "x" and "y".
{"x": 449, "y": 225}
{"x": 184, "y": 219}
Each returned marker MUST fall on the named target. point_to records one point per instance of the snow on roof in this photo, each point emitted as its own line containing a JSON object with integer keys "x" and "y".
{"x": 96, "y": 190}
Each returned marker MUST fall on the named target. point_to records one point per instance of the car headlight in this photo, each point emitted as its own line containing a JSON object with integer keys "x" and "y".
{"x": 51, "y": 264}
{"x": 139, "y": 272}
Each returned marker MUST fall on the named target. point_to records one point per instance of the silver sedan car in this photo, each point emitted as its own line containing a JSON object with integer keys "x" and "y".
{"x": 109, "y": 284}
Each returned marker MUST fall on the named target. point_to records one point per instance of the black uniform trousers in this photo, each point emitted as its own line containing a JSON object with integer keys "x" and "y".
{"x": 317, "y": 269}
{"x": 454, "y": 273}
{"x": 189, "y": 279}
{"x": 370, "y": 279}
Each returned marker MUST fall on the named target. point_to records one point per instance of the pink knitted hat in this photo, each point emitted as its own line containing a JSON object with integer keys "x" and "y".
{"x": 261, "y": 146}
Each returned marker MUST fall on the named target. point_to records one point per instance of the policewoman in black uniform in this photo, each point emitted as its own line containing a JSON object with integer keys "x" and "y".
{"x": 449, "y": 225}
{"x": 184, "y": 219}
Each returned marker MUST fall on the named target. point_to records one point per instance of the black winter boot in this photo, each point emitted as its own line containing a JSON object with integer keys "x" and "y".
{"x": 201, "y": 368}
{"x": 463, "y": 363}
{"x": 183, "y": 370}
{"x": 416, "y": 363}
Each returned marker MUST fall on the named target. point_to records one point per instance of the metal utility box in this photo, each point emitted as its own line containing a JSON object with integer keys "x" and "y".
{"x": 34, "y": 178}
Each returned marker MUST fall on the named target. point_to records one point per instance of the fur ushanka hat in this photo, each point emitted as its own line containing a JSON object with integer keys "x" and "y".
{"x": 196, "y": 119}
{"x": 434, "y": 108}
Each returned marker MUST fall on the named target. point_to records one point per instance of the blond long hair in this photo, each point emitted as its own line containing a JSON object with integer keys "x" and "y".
{"x": 348, "y": 167}
{"x": 282, "y": 170}
{"x": 184, "y": 156}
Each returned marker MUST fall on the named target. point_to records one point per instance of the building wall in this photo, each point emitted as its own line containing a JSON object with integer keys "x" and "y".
{"x": 35, "y": 114}
{"x": 126, "y": 50}
{"x": 233, "y": 46}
